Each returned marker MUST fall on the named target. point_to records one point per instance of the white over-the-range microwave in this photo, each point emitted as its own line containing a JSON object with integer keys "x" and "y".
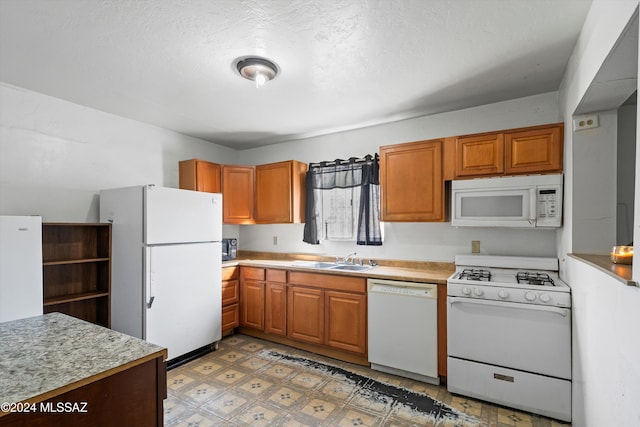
{"x": 531, "y": 201}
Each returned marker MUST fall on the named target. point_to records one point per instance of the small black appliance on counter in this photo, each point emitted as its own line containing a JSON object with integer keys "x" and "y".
{"x": 229, "y": 249}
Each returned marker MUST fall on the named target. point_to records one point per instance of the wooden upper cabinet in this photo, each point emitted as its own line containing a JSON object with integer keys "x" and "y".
{"x": 280, "y": 192}
{"x": 200, "y": 175}
{"x": 536, "y": 150}
{"x": 412, "y": 187}
{"x": 237, "y": 194}
{"x": 478, "y": 155}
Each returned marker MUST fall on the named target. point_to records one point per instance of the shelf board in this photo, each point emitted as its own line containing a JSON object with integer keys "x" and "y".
{"x": 75, "y": 261}
{"x": 75, "y": 297}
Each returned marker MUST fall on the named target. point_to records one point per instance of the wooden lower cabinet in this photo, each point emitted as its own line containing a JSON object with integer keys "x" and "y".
{"x": 328, "y": 309}
{"x": 345, "y": 321}
{"x": 305, "y": 314}
{"x": 230, "y": 317}
{"x": 131, "y": 397}
{"x": 252, "y": 304}
{"x": 276, "y": 309}
{"x": 230, "y": 298}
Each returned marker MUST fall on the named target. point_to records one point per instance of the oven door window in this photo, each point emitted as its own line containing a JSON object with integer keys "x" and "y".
{"x": 528, "y": 337}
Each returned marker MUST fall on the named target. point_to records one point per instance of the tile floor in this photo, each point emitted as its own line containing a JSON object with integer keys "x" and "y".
{"x": 239, "y": 385}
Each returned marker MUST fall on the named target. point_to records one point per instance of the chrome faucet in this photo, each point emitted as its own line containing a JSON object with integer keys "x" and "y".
{"x": 349, "y": 259}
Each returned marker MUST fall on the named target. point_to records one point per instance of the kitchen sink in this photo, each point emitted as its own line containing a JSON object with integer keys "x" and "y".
{"x": 331, "y": 266}
{"x": 350, "y": 267}
{"x": 314, "y": 264}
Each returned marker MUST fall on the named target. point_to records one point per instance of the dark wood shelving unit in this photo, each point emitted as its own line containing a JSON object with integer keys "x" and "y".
{"x": 76, "y": 260}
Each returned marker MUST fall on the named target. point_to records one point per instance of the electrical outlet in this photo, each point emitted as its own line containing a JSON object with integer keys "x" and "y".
{"x": 275, "y": 240}
{"x": 475, "y": 246}
{"x": 585, "y": 122}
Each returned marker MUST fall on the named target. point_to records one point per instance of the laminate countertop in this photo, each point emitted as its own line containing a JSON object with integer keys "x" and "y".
{"x": 420, "y": 272}
{"x": 44, "y": 356}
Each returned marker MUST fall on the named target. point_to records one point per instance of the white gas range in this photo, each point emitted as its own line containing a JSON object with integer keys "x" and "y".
{"x": 509, "y": 333}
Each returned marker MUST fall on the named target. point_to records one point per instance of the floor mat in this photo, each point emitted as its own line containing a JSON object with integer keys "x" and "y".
{"x": 377, "y": 391}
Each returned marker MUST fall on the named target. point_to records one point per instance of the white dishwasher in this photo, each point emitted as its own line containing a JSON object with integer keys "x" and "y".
{"x": 403, "y": 328}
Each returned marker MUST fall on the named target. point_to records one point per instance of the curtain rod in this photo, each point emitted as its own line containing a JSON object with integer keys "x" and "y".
{"x": 350, "y": 160}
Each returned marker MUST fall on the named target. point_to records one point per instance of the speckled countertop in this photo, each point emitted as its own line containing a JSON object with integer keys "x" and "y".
{"x": 44, "y": 356}
{"x": 422, "y": 272}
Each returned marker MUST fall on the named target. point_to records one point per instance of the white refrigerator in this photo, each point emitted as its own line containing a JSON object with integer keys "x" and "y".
{"x": 166, "y": 266}
{"x": 20, "y": 267}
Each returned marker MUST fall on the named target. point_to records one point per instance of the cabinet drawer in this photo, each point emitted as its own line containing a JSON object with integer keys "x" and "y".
{"x": 278, "y": 276}
{"x": 230, "y": 292}
{"x": 230, "y": 317}
{"x": 229, "y": 273}
{"x": 328, "y": 281}
{"x": 252, "y": 273}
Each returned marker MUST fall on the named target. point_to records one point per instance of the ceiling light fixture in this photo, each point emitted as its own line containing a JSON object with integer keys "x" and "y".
{"x": 257, "y": 69}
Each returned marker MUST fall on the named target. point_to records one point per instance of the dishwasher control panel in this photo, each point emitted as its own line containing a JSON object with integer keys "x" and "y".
{"x": 403, "y": 288}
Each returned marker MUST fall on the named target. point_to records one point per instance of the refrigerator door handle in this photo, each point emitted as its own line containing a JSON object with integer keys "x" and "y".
{"x": 150, "y": 276}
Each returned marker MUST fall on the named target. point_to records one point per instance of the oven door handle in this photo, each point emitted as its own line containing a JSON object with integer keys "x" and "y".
{"x": 564, "y": 312}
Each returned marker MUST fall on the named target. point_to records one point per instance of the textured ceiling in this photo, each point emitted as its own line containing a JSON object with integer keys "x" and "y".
{"x": 344, "y": 63}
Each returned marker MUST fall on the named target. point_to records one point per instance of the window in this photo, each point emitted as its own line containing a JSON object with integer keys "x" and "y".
{"x": 343, "y": 201}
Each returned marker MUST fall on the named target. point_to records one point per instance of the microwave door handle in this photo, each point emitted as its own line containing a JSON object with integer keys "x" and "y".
{"x": 533, "y": 206}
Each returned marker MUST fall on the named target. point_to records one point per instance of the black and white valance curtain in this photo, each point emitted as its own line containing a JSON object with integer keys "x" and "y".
{"x": 326, "y": 203}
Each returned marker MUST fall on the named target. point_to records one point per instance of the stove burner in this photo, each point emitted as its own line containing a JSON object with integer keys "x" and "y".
{"x": 475, "y": 274}
{"x": 537, "y": 279}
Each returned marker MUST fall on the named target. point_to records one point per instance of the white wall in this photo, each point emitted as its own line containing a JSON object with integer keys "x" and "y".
{"x": 625, "y": 185}
{"x": 594, "y": 193}
{"x": 414, "y": 241}
{"x": 606, "y": 344}
{"x": 55, "y": 156}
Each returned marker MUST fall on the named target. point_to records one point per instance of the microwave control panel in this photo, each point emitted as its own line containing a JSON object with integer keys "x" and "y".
{"x": 549, "y": 209}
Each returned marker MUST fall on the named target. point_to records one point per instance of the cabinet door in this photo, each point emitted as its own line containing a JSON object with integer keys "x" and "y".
{"x": 252, "y": 304}
{"x": 230, "y": 292}
{"x": 538, "y": 150}
{"x": 346, "y": 321}
{"x": 411, "y": 182}
{"x": 237, "y": 194}
{"x": 280, "y": 192}
{"x": 305, "y": 314}
{"x": 275, "y": 307}
{"x": 230, "y": 317}
{"x": 200, "y": 175}
{"x": 478, "y": 155}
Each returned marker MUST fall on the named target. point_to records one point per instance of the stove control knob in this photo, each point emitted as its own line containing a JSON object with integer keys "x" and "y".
{"x": 503, "y": 294}
{"x": 478, "y": 292}
{"x": 530, "y": 296}
{"x": 545, "y": 298}
{"x": 466, "y": 291}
